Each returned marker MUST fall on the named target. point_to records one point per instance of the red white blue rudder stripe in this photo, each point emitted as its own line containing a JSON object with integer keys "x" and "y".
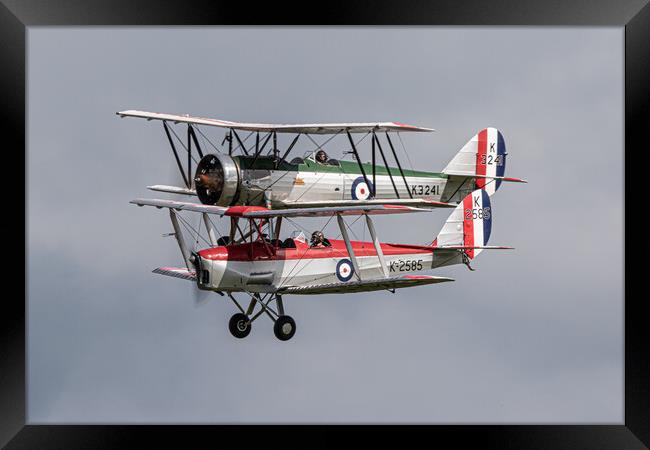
{"x": 469, "y": 225}
{"x": 484, "y": 156}
{"x": 477, "y": 221}
{"x": 490, "y": 159}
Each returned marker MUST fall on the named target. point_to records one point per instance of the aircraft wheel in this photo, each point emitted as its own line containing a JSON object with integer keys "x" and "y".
{"x": 284, "y": 328}
{"x": 239, "y": 326}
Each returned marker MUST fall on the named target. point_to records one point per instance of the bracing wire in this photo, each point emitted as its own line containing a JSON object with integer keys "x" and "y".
{"x": 243, "y": 142}
{"x": 207, "y": 139}
{"x": 184, "y": 146}
{"x": 357, "y": 143}
{"x": 399, "y": 136}
{"x": 324, "y": 143}
{"x": 191, "y": 229}
{"x": 288, "y": 278}
{"x": 287, "y": 172}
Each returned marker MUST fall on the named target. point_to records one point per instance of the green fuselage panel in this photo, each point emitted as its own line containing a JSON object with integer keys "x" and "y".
{"x": 307, "y": 182}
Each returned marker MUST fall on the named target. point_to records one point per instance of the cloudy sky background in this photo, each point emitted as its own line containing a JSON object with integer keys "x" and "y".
{"x": 534, "y": 335}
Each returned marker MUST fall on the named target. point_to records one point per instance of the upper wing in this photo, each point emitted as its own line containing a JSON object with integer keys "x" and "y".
{"x": 310, "y": 128}
{"x": 258, "y": 212}
{"x": 379, "y": 284}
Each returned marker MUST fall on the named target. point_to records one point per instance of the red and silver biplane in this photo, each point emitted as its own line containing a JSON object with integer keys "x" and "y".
{"x": 254, "y": 260}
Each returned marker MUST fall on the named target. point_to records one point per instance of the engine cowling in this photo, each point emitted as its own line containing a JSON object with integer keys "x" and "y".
{"x": 216, "y": 180}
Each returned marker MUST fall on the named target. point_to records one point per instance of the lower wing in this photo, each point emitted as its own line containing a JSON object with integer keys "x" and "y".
{"x": 414, "y": 202}
{"x": 378, "y": 284}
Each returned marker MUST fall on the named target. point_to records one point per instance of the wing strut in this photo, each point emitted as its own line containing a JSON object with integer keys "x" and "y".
{"x": 190, "y": 131}
{"x": 258, "y": 149}
{"x": 210, "y": 228}
{"x": 276, "y": 230}
{"x": 228, "y": 138}
{"x": 276, "y": 152}
{"x": 178, "y": 161}
{"x": 189, "y": 157}
{"x": 399, "y": 166}
{"x": 375, "y": 242}
{"x": 241, "y": 144}
{"x": 178, "y": 233}
{"x": 356, "y": 155}
{"x": 348, "y": 246}
{"x": 277, "y": 163}
{"x": 374, "y": 171}
{"x": 383, "y": 157}
{"x": 233, "y": 229}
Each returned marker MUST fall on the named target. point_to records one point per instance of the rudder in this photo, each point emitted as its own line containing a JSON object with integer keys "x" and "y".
{"x": 469, "y": 225}
{"x": 483, "y": 156}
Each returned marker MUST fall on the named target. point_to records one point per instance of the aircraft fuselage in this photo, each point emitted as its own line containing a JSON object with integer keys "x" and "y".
{"x": 256, "y": 267}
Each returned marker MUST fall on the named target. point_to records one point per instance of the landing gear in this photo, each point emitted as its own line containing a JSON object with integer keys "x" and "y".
{"x": 239, "y": 325}
{"x": 284, "y": 327}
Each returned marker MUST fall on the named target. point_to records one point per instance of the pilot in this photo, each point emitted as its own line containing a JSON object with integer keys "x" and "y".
{"x": 321, "y": 157}
{"x": 317, "y": 240}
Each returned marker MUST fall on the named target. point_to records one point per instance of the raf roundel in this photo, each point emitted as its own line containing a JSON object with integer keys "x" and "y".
{"x": 344, "y": 270}
{"x": 360, "y": 189}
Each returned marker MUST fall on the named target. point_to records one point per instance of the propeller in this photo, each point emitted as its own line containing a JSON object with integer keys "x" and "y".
{"x": 209, "y": 180}
{"x": 200, "y": 297}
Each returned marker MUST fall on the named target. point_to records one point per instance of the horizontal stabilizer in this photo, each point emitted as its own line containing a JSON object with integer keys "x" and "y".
{"x": 469, "y": 226}
{"x": 379, "y": 284}
{"x": 172, "y": 189}
{"x": 485, "y": 177}
{"x": 466, "y": 247}
{"x": 176, "y": 272}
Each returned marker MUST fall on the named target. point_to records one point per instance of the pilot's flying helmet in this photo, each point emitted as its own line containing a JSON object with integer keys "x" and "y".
{"x": 321, "y": 156}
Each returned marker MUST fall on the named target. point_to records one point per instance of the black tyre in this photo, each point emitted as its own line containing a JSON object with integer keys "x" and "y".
{"x": 284, "y": 328}
{"x": 239, "y": 326}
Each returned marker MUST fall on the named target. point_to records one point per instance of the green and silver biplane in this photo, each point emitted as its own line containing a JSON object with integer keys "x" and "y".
{"x": 261, "y": 174}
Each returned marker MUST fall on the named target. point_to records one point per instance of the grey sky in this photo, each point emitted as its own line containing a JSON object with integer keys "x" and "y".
{"x": 534, "y": 335}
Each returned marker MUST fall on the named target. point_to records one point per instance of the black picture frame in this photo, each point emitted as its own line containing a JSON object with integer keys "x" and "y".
{"x": 16, "y": 15}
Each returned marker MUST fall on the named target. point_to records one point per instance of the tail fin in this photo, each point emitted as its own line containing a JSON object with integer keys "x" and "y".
{"x": 469, "y": 225}
{"x": 484, "y": 159}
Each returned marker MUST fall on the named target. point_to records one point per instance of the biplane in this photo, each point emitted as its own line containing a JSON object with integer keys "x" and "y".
{"x": 261, "y": 175}
{"x": 255, "y": 190}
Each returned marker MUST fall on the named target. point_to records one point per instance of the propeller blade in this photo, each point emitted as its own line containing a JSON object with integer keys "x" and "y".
{"x": 200, "y": 297}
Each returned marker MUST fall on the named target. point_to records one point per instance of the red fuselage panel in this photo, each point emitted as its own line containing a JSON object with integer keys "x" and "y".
{"x": 257, "y": 251}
